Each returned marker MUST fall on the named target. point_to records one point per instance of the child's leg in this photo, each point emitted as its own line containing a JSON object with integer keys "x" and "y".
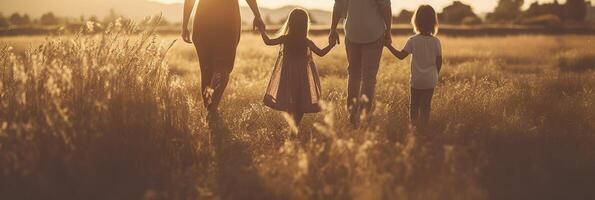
{"x": 297, "y": 117}
{"x": 425, "y": 106}
{"x": 414, "y": 104}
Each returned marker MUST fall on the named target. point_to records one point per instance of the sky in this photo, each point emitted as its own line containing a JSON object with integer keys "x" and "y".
{"x": 478, "y": 5}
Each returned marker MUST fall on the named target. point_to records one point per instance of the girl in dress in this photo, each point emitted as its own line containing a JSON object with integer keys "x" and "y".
{"x": 294, "y": 86}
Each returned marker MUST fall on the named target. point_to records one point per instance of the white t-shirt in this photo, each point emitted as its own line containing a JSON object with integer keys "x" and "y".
{"x": 424, "y": 50}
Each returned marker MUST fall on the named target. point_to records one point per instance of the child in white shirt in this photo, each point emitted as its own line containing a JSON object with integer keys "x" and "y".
{"x": 426, "y": 63}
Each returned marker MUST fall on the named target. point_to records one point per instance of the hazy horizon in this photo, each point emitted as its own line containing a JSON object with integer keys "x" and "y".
{"x": 172, "y": 9}
{"x": 35, "y": 6}
{"x": 480, "y": 6}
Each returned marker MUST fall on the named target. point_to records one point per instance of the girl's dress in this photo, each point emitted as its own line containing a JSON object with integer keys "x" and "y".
{"x": 294, "y": 85}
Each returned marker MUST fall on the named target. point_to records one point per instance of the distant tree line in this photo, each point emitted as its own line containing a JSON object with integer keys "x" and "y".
{"x": 511, "y": 11}
{"x": 16, "y": 19}
{"x": 50, "y": 19}
{"x": 507, "y": 11}
{"x": 555, "y": 13}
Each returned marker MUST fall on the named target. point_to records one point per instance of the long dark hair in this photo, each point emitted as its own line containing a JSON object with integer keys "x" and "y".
{"x": 296, "y": 30}
{"x": 425, "y": 20}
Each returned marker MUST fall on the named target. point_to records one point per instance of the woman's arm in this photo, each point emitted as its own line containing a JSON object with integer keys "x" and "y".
{"x": 258, "y": 23}
{"x": 188, "y": 6}
{"x": 318, "y": 51}
{"x": 268, "y": 41}
{"x": 439, "y": 63}
{"x": 399, "y": 54}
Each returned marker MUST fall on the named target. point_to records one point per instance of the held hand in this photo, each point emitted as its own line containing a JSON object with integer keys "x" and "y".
{"x": 186, "y": 36}
{"x": 258, "y": 24}
{"x": 260, "y": 29}
{"x": 333, "y": 37}
{"x": 332, "y": 43}
{"x": 388, "y": 39}
{"x": 387, "y": 45}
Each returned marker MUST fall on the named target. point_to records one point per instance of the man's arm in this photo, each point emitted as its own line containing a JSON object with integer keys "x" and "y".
{"x": 188, "y": 6}
{"x": 387, "y": 15}
{"x": 337, "y": 14}
{"x": 439, "y": 63}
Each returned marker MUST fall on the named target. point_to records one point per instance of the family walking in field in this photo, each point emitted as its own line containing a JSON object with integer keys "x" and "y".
{"x": 294, "y": 86}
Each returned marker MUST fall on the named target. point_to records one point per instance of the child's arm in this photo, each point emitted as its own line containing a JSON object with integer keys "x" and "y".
{"x": 268, "y": 41}
{"x": 318, "y": 51}
{"x": 439, "y": 63}
{"x": 399, "y": 54}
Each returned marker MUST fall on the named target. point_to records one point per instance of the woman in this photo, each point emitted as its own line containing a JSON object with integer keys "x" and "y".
{"x": 216, "y": 33}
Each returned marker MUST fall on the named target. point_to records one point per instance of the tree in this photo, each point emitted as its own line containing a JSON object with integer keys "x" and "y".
{"x": 576, "y": 10}
{"x": 536, "y": 10}
{"x": 49, "y": 19}
{"x": 507, "y": 10}
{"x": 457, "y": 12}
{"x": 17, "y": 19}
{"x": 26, "y": 19}
{"x": 404, "y": 17}
{"x": 3, "y": 21}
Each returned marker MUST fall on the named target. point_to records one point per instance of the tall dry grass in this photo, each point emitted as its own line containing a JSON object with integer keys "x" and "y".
{"x": 95, "y": 117}
{"x": 118, "y": 116}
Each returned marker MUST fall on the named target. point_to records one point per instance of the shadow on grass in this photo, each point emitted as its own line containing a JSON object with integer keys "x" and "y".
{"x": 236, "y": 175}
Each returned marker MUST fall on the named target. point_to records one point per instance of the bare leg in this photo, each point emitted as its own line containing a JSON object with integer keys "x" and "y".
{"x": 206, "y": 74}
{"x": 216, "y": 61}
{"x": 297, "y": 118}
{"x": 224, "y": 66}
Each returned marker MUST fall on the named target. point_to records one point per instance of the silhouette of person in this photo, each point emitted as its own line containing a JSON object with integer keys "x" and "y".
{"x": 216, "y": 33}
{"x": 367, "y": 28}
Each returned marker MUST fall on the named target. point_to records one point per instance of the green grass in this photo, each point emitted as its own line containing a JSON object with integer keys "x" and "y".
{"x": 120, "y": 117}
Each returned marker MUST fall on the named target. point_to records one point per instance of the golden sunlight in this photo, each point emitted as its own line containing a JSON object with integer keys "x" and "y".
{"x": 478, "y": 5}
{"x": 162, "y": 99}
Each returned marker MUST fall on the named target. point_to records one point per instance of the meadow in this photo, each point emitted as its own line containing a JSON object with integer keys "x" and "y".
{"x": 119, "y": 116}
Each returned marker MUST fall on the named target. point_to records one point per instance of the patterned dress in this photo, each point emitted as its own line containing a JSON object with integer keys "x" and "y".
{"x": 294, "y": 85}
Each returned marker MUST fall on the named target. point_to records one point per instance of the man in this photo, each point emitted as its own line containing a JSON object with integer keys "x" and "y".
{"x": 367, "y": 30}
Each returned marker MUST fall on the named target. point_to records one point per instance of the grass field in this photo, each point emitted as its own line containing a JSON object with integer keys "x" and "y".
{"x": 120, "y": 117}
